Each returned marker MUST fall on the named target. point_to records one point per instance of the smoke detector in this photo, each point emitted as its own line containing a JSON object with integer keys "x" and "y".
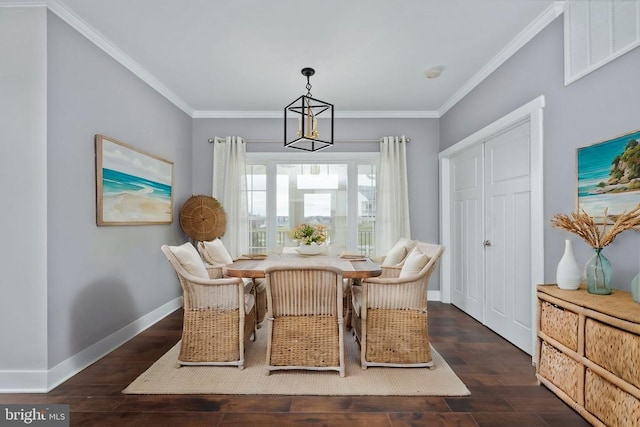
{"x": 433, "y": 73}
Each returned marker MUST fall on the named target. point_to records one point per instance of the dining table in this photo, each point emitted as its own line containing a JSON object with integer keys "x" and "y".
{"x": 254, "y": 266}
{"x": 353, "y": 267}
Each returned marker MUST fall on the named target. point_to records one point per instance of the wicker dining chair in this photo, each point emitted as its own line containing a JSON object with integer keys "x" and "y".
{"x": 304, "y": 318}
{"x": 219, "y": 316}
{"x": 216, "y": 256}
{"x": 390, "y": 312}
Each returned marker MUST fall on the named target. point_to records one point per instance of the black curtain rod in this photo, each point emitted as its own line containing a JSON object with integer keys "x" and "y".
{"x": 211, "y": 140}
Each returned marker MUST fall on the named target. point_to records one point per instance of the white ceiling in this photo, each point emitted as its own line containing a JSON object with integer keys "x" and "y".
{"x": 243, "y": 57}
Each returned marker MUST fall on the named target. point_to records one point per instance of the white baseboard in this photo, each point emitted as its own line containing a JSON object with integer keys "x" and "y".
{"x": 44, "y": 381}
{"x": 433, "y": 295}
{"x": 23, "y": 381}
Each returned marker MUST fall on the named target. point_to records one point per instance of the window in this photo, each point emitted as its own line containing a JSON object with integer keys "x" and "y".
{"x": 334, "y": 189}
{"x": 257, "y": 205}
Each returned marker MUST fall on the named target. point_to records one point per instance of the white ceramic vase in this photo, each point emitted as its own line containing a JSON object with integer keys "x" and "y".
{"x": 569, "y": 273}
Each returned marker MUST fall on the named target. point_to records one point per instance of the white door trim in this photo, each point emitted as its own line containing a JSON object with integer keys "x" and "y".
{"x": 532, "y": 111}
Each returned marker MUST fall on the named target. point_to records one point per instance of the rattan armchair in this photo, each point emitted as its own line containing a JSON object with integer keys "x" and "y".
{"x": 390, "y": 312}
{"x": 305, "y": 324}
{"x": 216, "y": 257}
{"x": 219, "y": 316}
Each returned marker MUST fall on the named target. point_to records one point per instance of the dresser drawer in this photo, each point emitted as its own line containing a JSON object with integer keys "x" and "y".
{"x": 615, "y": 350}
{"x": 560, "y": 324}
{"x": 560, "y": 369}
{"x": 610, "y": 404}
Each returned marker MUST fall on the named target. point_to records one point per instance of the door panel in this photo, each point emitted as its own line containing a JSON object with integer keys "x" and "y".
{"x": 497, "y": 258}
{"x": 467, "y": 285}
{"x": 508, "y": 215}
{"x": 522, "y": 302}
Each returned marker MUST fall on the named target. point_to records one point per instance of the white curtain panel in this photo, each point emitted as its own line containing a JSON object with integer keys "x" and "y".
{"x": 392, "y": 195}
{"x": 230, "y": 189}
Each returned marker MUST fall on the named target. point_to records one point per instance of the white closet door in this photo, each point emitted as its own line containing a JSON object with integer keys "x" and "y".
{"x": 507, "y": 186}
{"x": 492, "y": 218}
{"x": 467, "y": 213}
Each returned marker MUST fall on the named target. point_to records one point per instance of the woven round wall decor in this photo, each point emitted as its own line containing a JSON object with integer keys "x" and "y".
{"x": 203, "y": 218}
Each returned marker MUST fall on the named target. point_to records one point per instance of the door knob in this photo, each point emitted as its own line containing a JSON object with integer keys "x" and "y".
{"x": 486, "y": 243}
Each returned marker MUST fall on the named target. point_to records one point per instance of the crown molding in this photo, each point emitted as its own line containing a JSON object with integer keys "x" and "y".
{"x": 208, "y": 114}
{"x": 544, "y": 19}
{"x": 25, "y": 3}
{"x": 103, "y": 43}
{"x": 338, "y": 114}
{"x": 387, "y": 114}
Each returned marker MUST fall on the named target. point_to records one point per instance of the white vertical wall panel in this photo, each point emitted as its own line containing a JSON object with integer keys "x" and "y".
{"x": 597, "y": 32}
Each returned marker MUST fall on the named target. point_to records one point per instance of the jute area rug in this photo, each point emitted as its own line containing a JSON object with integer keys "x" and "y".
{"x": 165, "y": 377}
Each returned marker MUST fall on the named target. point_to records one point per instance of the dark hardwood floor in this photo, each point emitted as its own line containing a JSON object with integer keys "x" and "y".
{"x": 504, "y": 391}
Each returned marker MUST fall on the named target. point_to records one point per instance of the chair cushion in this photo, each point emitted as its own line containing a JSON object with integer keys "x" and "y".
{"x": 414, "y": 263}
{"x": 248, "y": 285}
{"x": 215, "y": 253}
{"x": 190, "y": 260}
{"x": 398, "y": 252}
{"x": 261, "y": 285}
{"x": 215, "y": 272}
{"x": 356, "y": 299}
{"x": 249, "y": 302}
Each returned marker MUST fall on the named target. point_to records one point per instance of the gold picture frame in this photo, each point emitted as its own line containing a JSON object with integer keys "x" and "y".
{"x": 133, "y": 187}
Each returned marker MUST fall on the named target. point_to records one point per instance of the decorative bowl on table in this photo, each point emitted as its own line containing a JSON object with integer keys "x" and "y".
{"x": 312, "y": 249}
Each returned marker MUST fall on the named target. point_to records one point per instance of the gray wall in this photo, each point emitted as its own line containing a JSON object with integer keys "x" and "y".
{"x": 101, "y": 279}
{"x": 596, "y": 107}
{"x": 422, "y": 157}
{"x": 23, "y": 217}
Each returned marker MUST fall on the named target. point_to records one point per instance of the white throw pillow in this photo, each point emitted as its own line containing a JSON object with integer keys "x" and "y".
{"x": 397, "y": 253}
{"x": 216, "y": 253}
{"x": 414, "y": 263}
{"x": 249, "y": 302}
{"x": 190, "y": 260}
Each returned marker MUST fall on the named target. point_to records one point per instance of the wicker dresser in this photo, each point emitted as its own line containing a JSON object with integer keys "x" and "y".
{"x": 589, "y": 353}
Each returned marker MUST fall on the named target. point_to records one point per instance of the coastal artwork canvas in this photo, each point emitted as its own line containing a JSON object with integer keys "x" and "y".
{"x": 132, "y": 187}
{"x": 609, "y": 176}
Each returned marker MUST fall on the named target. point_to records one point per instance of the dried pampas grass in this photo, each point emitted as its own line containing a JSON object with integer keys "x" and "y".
{"x": 597, "y": 235}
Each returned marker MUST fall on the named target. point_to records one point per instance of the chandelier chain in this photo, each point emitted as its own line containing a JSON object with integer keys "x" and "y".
{"x": 308, "y": 87}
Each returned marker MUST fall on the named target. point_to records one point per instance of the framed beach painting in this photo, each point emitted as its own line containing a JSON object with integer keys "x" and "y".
{"x": 132, "y": 187}
{"x": 609, "y": 176}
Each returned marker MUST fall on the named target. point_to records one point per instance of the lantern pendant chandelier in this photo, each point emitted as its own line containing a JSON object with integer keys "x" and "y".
{"x": 310, "y": 131}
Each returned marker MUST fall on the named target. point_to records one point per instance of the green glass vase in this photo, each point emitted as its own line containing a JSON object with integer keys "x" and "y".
{"x": 598, "y": 273}
{"x": 635, "y": 288}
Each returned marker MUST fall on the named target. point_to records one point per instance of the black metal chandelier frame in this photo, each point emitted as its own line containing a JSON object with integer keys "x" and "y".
{"x": 307, "y": 110}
